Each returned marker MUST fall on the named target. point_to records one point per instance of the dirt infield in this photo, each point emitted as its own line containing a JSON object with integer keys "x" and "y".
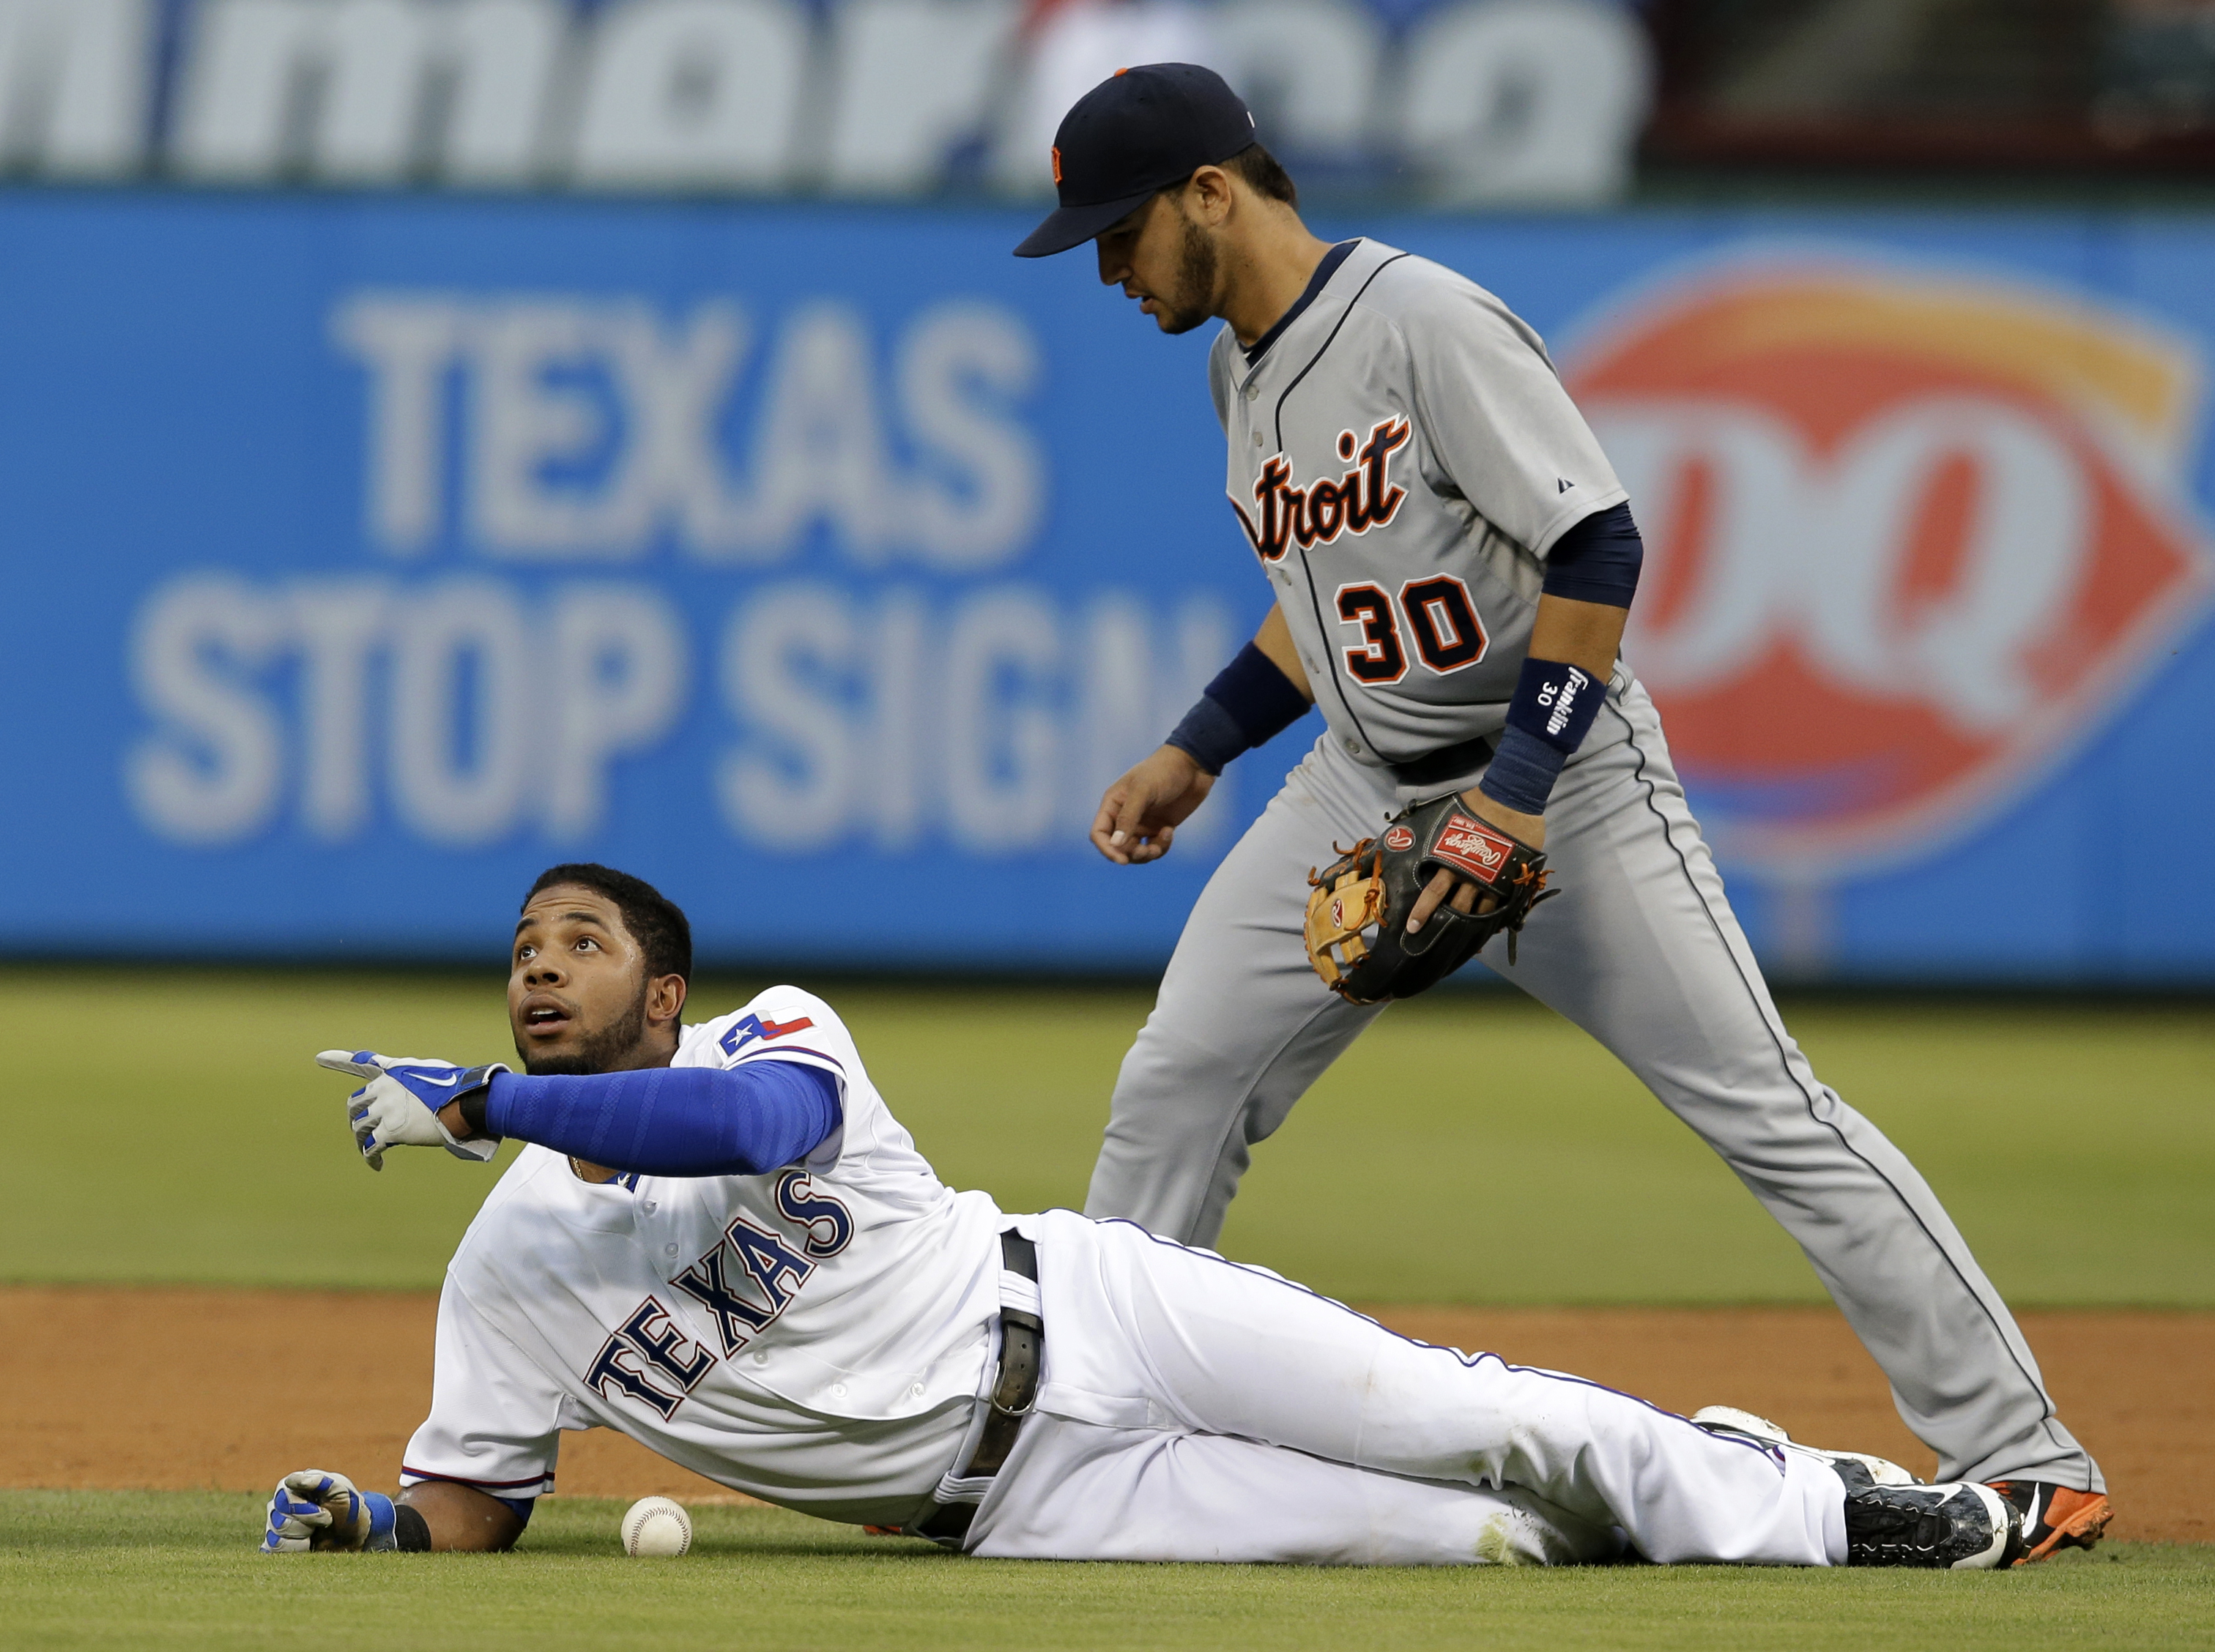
{"x": 177, "y": 1389}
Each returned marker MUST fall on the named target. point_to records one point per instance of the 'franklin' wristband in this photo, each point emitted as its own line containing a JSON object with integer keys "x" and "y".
{"x": 1552, "y": 711}
{"x": 1250, "y": 701}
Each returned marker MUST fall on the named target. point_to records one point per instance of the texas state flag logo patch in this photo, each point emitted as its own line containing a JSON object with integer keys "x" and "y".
{"x": 745, "y": 1029}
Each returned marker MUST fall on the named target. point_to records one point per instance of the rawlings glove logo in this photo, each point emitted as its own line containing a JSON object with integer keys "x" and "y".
{"x": 1380, "y": 880}
{"x": 1470, "y": 849}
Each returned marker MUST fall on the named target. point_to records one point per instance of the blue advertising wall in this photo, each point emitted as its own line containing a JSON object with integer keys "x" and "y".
{"x": 364, "y": 555}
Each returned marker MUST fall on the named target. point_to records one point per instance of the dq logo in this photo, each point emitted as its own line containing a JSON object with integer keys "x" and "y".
{"x": 1906, "y": 539}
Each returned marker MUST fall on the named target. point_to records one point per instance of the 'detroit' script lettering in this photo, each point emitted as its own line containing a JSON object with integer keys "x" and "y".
{"x": 1363, "y": 498}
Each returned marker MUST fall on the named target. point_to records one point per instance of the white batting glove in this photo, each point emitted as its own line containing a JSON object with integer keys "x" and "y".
{"x": 314, "y": 1508}
{"x": 399, "y": 1106}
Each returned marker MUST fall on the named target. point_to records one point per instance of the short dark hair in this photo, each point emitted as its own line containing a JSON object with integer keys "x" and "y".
{"x": 655, "y": 922}
{"x": 1264, "y": 175}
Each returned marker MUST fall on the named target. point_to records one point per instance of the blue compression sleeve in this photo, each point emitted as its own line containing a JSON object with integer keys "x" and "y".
{"x": 672, "y": 1121}
{"x": 1250, "y": 701}
{"x": 1598, "y": 560}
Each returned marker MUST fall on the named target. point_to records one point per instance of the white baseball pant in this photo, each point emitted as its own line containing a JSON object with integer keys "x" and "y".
{"x": 1194, "y": 1409}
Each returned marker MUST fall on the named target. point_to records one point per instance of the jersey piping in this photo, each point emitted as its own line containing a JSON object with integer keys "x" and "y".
{"x": 1331, "y": 260}
{"x": 1669, "y": 837}
{"x": 1277, "y": 425}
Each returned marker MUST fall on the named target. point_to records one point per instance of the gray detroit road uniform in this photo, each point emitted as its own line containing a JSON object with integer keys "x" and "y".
{"x": 1403, "y": 458}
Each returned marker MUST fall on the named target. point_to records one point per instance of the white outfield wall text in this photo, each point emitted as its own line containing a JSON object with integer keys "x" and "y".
{"x": 466, "y": 713}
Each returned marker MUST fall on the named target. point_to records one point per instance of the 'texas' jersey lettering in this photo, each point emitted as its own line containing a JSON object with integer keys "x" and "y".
{"x": 1365, "y": 497}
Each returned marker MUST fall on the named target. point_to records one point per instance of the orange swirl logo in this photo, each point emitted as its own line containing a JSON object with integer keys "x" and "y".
{"x": 1908, "y": 539}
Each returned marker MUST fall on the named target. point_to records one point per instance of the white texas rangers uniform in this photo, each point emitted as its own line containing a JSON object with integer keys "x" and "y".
{"x": 816, "y": 1337}
{"x": 1403, "y": 460}
{"x": 821, "y": 1336}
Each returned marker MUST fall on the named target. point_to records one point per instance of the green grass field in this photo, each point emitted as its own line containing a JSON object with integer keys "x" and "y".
{"x": 80, "y": 1569}
{"x": 1473, "y": 1148}
{"x": 171, "y": 1126}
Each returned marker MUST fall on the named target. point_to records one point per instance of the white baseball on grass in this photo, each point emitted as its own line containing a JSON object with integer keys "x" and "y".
{"x": 657, "y": 1526}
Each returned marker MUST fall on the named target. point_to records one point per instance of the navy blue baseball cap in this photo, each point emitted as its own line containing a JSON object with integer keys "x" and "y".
{"x": 1140, "y": 130}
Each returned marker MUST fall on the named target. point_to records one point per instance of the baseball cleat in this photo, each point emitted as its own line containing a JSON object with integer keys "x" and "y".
{"x": 1961, "y": 1527}
{"x": 1892, "y": 1518}
{"x": 1877, "y": 1470}
{"x": 2055, "y": 1517}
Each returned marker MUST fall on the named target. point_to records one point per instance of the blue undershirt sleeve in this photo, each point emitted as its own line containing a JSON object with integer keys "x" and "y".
{"x": 1598, "y": 560}
{"x": 672, "y": 1121}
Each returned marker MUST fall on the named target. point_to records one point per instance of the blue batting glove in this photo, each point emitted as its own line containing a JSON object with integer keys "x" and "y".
{"x": 399, "y": 1106}
{"x": 314, "y": 1508}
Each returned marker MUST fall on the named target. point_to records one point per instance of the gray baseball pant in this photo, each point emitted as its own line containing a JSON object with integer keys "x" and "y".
{"x": 1642, "y": 950}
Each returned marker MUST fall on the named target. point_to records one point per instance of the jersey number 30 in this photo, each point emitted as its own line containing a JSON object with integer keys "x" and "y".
{"x": 1440, "y": 616}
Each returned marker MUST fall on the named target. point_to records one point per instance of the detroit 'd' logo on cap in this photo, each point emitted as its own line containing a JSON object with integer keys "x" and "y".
{"x": 1911, "y": 539}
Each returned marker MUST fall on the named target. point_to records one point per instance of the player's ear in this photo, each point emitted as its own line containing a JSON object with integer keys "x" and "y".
{"x": 1207, "y": 196}
{"x": 665, "y": 1000}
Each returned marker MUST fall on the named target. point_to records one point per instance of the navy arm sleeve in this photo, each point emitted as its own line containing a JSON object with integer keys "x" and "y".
{"x": 672, "y": 1121}
{"x": 1598, "y": 560}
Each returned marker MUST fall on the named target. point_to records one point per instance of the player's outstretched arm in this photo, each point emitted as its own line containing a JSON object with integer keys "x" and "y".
{"x": 314, "y": 1511}
{"x": 697, "y": 1121}
{"x": 743, "y": 1120}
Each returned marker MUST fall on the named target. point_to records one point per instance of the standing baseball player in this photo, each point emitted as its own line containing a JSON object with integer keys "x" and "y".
{"x": 1453, "y": 560}
{"x": 722, "y": 1245}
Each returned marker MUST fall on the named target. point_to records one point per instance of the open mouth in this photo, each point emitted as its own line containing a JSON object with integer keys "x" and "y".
{"x": 545, "y": 1016}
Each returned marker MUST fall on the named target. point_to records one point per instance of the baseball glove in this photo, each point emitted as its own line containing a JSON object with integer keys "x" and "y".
{"x": 1357, "y": 932}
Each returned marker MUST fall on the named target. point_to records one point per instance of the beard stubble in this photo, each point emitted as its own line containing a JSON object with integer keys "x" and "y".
{"x": 607, "y": 1050}
{"x": 1195, "y": 294}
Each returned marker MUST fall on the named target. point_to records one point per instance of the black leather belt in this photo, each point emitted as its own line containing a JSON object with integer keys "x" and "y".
{"x": 1447, "y": 763}
{"x": 1022, "y": 1341}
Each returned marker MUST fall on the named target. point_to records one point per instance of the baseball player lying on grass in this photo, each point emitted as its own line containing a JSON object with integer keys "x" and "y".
{"x": 720, "y": 1243}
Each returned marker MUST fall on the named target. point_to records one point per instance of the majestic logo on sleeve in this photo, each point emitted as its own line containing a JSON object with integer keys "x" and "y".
{"x": 1363, "y": 498}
